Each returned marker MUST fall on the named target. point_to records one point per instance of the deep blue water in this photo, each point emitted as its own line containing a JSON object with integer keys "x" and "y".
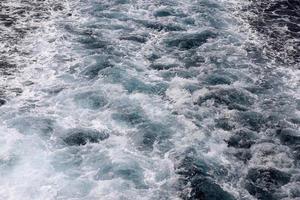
{"x": 149, "y": 100}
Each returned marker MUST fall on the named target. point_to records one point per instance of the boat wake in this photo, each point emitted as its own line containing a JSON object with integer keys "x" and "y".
{"x": 136, "y": 99}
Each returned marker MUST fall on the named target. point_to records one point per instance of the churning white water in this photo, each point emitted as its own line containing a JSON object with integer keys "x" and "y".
{"x": 146, "y": 99}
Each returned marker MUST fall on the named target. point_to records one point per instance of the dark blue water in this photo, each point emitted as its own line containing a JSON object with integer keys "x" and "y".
{"x": 153, "y": 100}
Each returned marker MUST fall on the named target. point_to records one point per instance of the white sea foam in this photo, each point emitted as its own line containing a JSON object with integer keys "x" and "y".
{"x": 79, "y": 72}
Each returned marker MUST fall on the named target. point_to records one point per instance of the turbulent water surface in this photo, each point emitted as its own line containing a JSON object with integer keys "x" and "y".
{"x": 149, "y": 99}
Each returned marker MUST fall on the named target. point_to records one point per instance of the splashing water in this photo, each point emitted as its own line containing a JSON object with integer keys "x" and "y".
{"x": 136, "y": 99}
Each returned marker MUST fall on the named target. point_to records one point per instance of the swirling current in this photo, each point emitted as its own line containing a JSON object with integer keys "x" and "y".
{"x": 149, "y": 99}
